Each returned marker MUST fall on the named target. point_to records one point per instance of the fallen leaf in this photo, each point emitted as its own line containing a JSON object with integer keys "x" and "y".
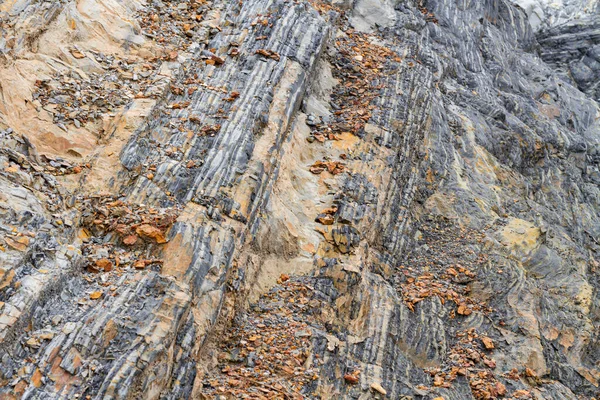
{"x": 464, "y": 310}
{"x": 530, "y": 373}
{"x": 268, "y": 53}
{"x": 521, "y": 393}
{"x": 500, "y": 388}
{"x": 325, "y": 219}
{"x": 77, "y": 54}
{"x": 217, "y": 60}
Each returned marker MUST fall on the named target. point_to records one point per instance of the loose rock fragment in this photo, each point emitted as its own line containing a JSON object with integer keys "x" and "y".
{"x": 378, "y": 388}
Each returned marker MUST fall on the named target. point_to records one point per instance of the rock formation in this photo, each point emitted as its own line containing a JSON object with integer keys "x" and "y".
{"x": 298, "y": 199}
{"x": 569, "y": 36}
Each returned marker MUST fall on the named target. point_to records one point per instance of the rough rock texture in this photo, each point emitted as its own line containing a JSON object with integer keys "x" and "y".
{"x": 569, "y": 36}
{"x": 548, "y": 13}
{"x": 277, "y": 199}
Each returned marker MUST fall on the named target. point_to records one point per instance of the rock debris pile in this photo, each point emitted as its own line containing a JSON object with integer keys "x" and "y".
{"x": 117, "y": 234}
{"x": 268, "y": 354}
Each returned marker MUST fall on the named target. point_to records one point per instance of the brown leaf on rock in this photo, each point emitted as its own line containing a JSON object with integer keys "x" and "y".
{"x": 77, "y": 54}
{"x": 333, "y": 167}
{"x": 325, "y": 219}
{"x": 513, "y": 374}
{"x": 530, "y": 373}
{"x": 521, "y": 394}
{"x": 318, "y": 167}
{"x": 500, "y": 389}
{"x": 217, "y": 60}
{"x": 268, "y": 53}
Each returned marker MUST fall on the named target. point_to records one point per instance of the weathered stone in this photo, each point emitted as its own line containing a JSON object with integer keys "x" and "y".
{"x": 458, "y": 168}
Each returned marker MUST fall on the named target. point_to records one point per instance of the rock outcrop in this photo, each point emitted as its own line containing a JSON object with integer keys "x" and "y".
{"x": 569, "y": 38}
{"x": 311, "y": 199}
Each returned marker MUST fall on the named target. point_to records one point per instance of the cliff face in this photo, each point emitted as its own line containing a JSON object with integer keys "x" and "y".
{"x": 275, "y": 199}
{"x": 569, "y": 35}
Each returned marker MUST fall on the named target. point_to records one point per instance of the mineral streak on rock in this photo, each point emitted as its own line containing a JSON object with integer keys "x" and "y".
{"x": 312, "y": 199}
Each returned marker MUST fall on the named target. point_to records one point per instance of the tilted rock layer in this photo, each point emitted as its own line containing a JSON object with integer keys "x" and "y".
{"x": 276, "y": 199}
{"x": 568, "y": 32}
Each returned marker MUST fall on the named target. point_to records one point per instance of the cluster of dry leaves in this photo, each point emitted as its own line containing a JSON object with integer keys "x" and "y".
{"x": 445, "y": 262}
{"x": 267, "y": 356}
{"x": 420, "y": 286}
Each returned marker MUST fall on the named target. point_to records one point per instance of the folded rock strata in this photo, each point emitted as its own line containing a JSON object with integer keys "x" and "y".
{"x": 276, "y": 199}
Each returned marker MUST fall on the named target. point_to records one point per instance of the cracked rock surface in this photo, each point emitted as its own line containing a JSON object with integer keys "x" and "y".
{"x": 274, "y": 199}
{"x": 568, "y": 32}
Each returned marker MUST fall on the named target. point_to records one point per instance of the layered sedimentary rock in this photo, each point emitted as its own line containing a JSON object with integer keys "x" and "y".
{"x": 569, "y": 36}
{"x": 545, "y": 14}
{"x": 276, "y": 199}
